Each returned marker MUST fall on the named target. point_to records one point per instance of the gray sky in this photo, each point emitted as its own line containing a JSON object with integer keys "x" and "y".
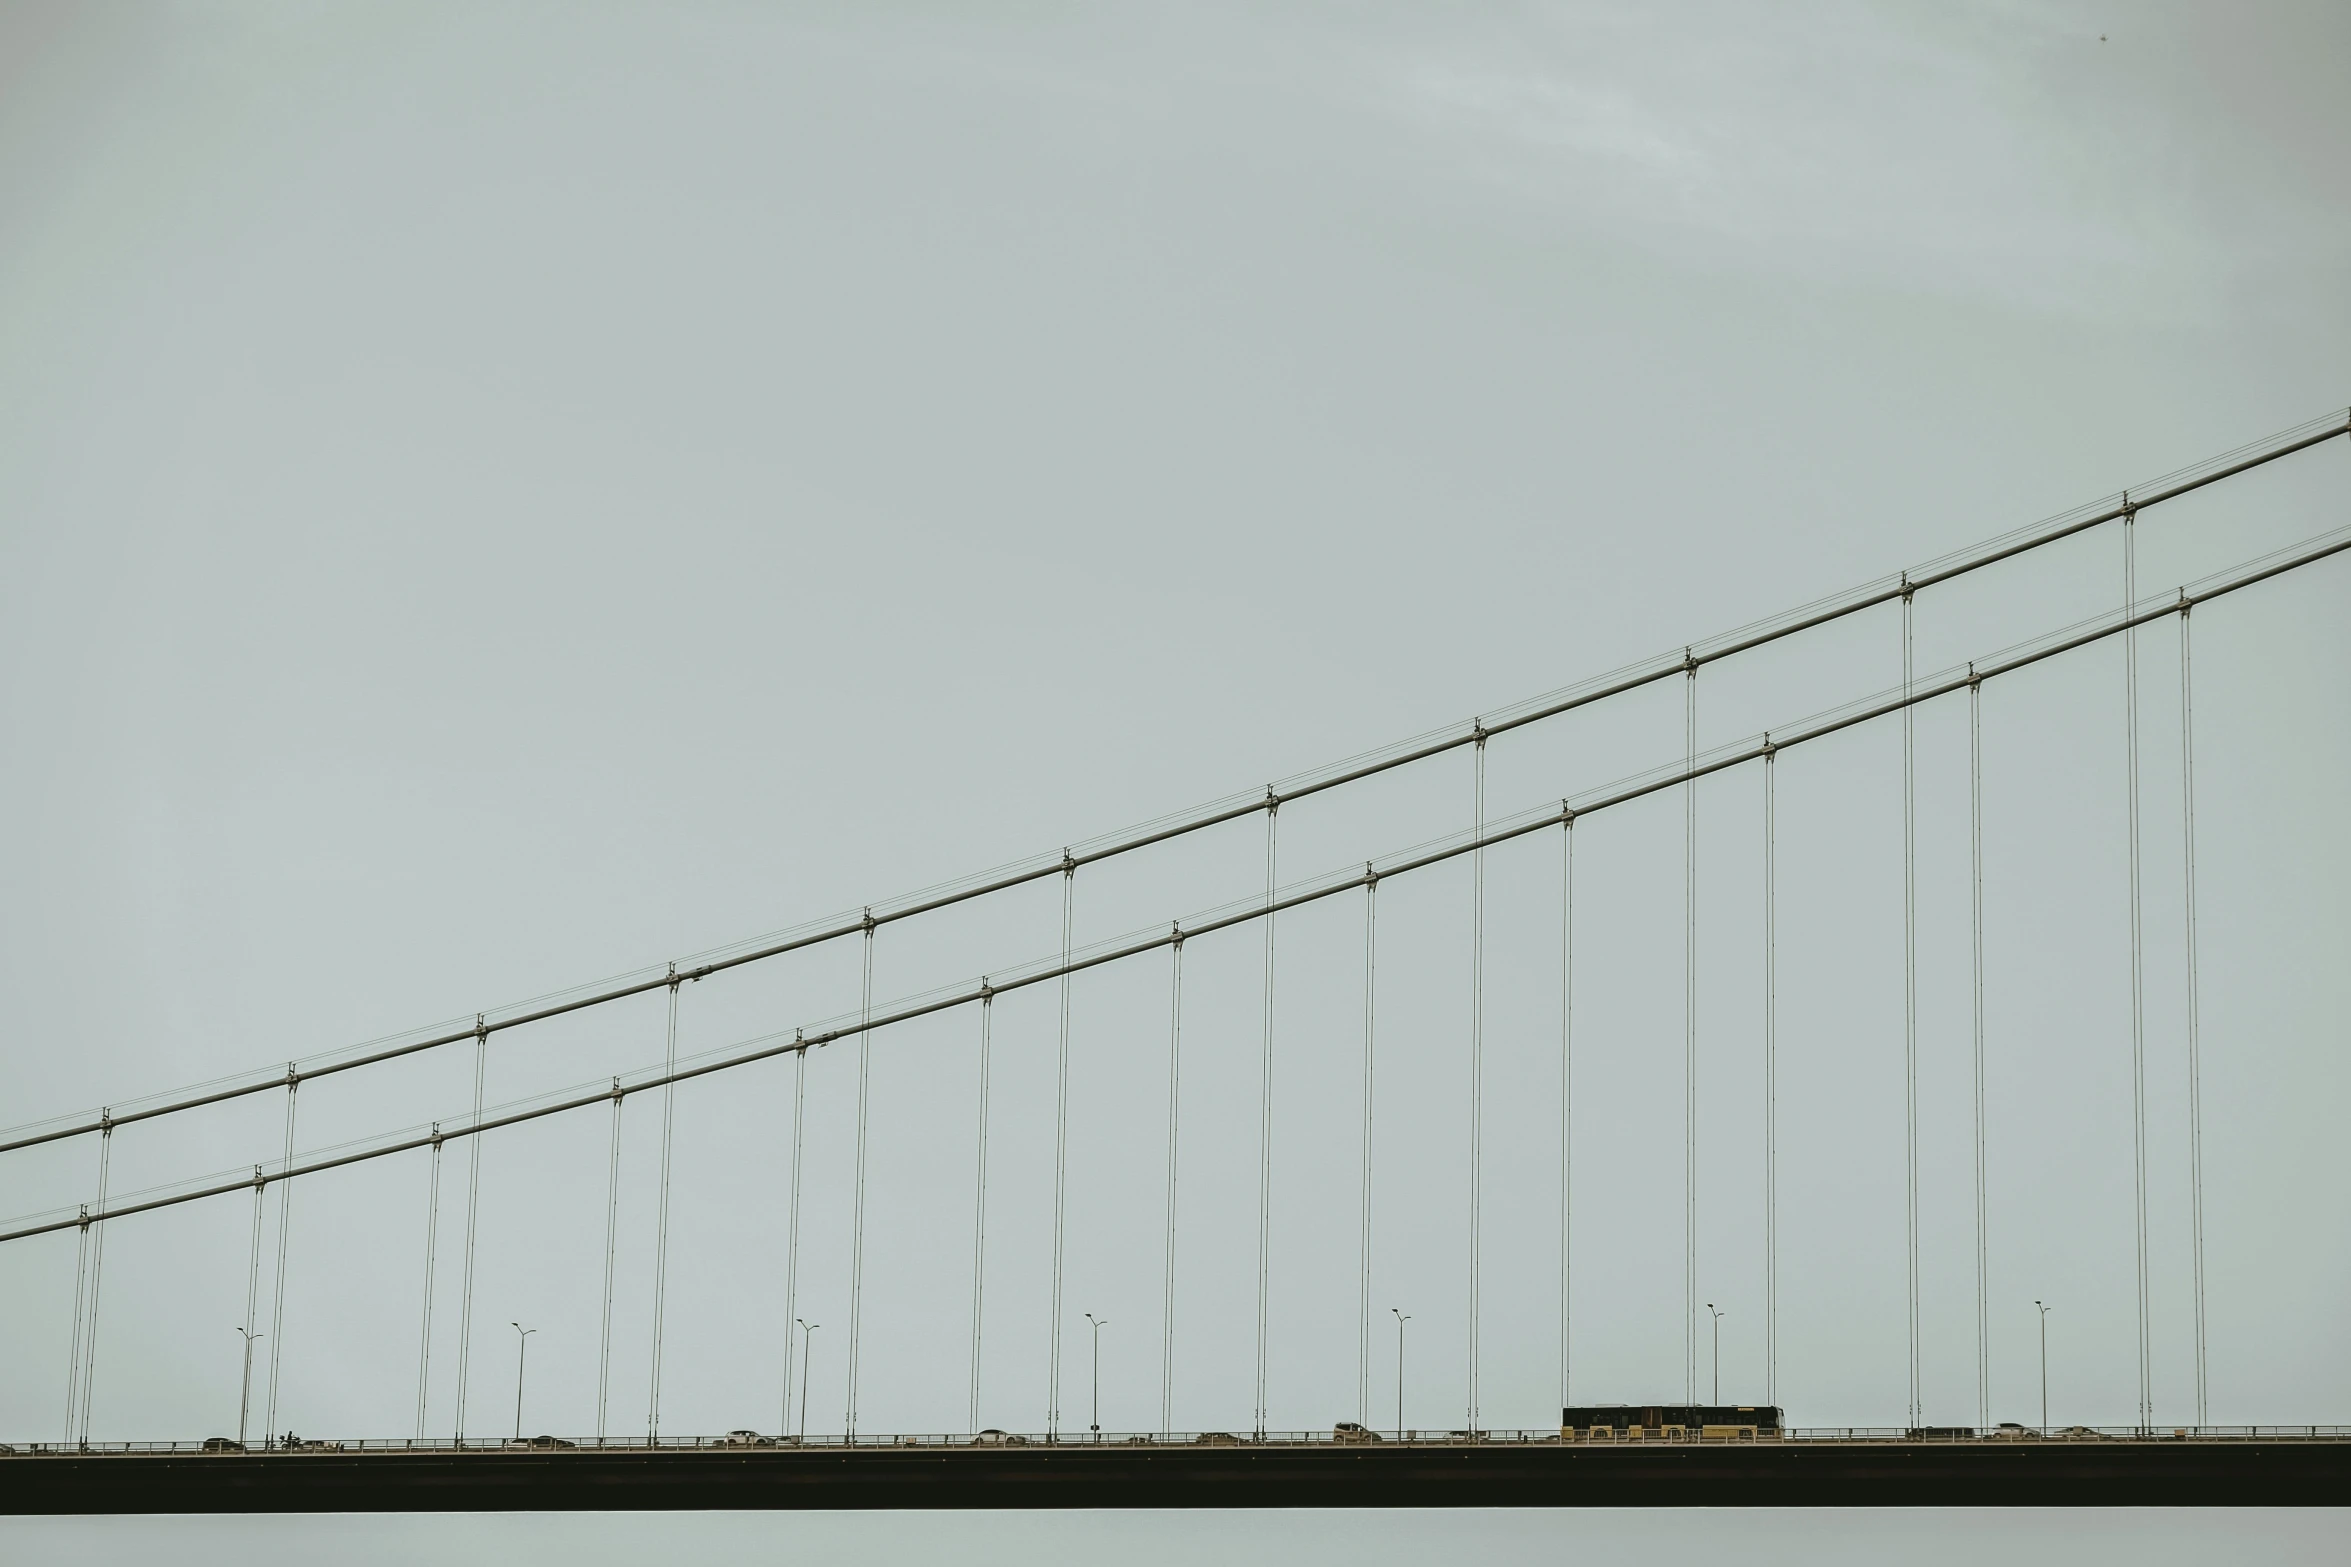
{"x": 500, "y": 496}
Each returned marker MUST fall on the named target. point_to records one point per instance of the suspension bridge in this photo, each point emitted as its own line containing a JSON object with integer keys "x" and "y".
{"x": 1222, "y": 1109}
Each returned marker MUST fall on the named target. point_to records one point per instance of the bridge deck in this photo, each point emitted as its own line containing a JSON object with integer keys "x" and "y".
{"x": 1770, "y": 1474}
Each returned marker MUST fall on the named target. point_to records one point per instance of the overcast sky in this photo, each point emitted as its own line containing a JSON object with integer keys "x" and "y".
{"x": 497, "y": 496}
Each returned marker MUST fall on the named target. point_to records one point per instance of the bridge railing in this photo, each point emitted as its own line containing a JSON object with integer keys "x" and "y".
{"x": 742, "y": 1442}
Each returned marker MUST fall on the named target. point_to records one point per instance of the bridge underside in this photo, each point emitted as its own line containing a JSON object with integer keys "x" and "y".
{"x": 1769, "y": 1474}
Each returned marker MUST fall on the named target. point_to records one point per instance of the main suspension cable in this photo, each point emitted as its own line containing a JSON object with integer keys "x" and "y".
{"x": 1755, "y": 635}
{"x": 1175, "y": 1081}
{"x": 979, "y": 1201}
{"x": 2130, "y": 657}
{"x": 2310, "y": 552}
{"x": 2195, "y": 1064}
{"x": 424, "y": 1335}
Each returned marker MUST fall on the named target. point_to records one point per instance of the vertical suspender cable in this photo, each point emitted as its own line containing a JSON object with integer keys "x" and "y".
{"x": 1910, "y": 1002}
{"x": 1690, "y": 1033}
{"x": 1273, "y": 806}
{"x": 1771, "y": 1075}
{"x": 252, "y": 1297}
{"x": 1069, "y": 883}
{"x": 2195, "y": 1066}
{"x": 1371, "y": 955}
{"x": 1477, "y": 1060}
{"x": 2130, "y": 658}
{"x": 661, "y": 1216}
{"x": 97, "y": 1266}
{"x": 611, "y": 1256}
{"x": 1983, "y": 1245}
{"x": 857, "y": 1204}
{"x": 432, "y": 1235}
{"x": 1566, "y": 1100}
{"x": 473, "y": 1202}
{"x": 792, "y": 1234}
{"x": 1175, "y": 1082}
{"x": 979, "y": 1199}
{"x": 277, "y": 1313}
{"x": 73, "y": 1351}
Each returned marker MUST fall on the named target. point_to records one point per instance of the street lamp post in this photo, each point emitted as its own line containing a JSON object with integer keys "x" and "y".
{"x": 1401, "y": 1319}
{"x": 2044, "y": 1311}
{"x": 522, "y": 1349}
{"x": 245, "y": 1395}
{"x": 807, "y": 1333}
{"x": 1097, "y": 1324}
{"x": 1718, "y": 1316}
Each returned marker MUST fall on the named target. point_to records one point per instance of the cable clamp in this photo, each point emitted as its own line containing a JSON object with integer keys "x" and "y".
{"x": 260, "y": 1180}
{"x": 2186, "y": 603}
{"x": 105, "y": 1121}
{"x": 1478, "y": 732}
{"x": 1069, "y": 863}
{"x": 1371, "y": 877}
{"x": 617, "y": 1095}
{"x": 1566, "y": 814}
{"x": 434, "y": 1139}
{"x": 987, "y": 992}
{"x": 1907, "y": 589}
{"x": 1273, "y": 801}
{"x": 868, "y": 923}
{"x": 2130, "y": 511}
{"x": 1689, "y": 664}
{"x": 293, "y": 1075}
{"x": 1176, "y": 934}
{"x": 85, "y": 1218}
{"x": 1975, "y": 681}
{"x": 1770, "y": 749}
{"x": 673, "y": 979}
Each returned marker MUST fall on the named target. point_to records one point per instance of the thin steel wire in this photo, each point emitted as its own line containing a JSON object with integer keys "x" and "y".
{"x": 1477, "y": 1072}
{"x": 252, "y": 1299}
{"x": 1771, "y": 1080}
{"x": 73, "y": 1352}
{"x": 1566, "y": 1108}
{"x": 277, "y": 1312}
{"x": 857, "y": 1205}
{"x": 1690, "y": 1034}
{"x": 1265, "y": 1111}
{"x": 1069, "y": 883}
{"x": 611, "y": 1260}
{"x": 792, "y": 1243}
{"x": 1175, "y": 1100}
{"x": 661, "y": 1219}
{"x": 1371, "y": 972}
{"x": 1983, "y": 1243}
{"x": 473, "y": 1203}
{"x": 2195, "y": 1048}
{"x": 2130, "y": 656}
{"x": 1910, "y": 1008}
{"x": 424, "y": 1333}
{"x": 97, "y": 1275}
{"x": 979, "y": 1204}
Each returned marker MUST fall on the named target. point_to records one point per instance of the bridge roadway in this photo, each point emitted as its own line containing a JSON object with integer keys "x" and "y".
{"x": 2266, "y": 1470}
